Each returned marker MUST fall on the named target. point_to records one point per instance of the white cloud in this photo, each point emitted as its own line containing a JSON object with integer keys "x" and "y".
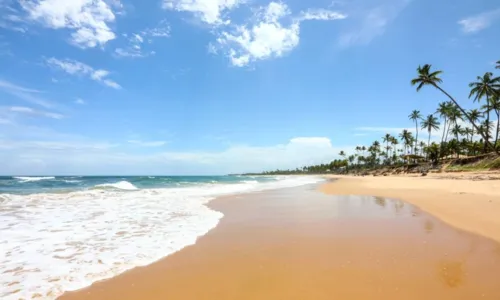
{"x": 74, "y": 67}
{"x": 321, "y": 15}
{"x": 80, "y": 101}
{"x": 26, "y": 94}
{"x": 136, "y": 41}
{"x": 101, "y": 158}
{"x": 161, "y": 31}
{"x": 88, "y": 19}
{"x": 371, "y": 23}
{"x": 34, "y": 112}
{"x": 147, "y": 143}
{"x": 209, "y": 11}
{"x": 273, "y": 34}
{"x": 133, "y": 52}
{"x": 476, "y": 23}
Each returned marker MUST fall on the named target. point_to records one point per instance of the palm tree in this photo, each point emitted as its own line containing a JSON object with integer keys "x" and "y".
{"x": 415, "y": 116}
{"x": 475, "y": 114}
{"x": 495, "y": 106}
{"x": 498, "y": 64}
{"x": 406, "y": 138}
{"x": 485, "y": 87}
{"x": 342, "y": 153}
{"x": 426, "y": 77}
{"x": 469, "y": 133}
{"x": 394, "y": 143}
{"x": 386, "y": 139}
{"x": 422, "y": 146}
{"x": 457, "y": 130}
{"x": 430, "y": 123}
{"x": 454, "y": 115}
{"x": 444, "y": 110}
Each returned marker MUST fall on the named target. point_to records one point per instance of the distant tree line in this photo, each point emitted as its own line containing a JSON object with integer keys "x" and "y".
{"x": 465, "y": 132}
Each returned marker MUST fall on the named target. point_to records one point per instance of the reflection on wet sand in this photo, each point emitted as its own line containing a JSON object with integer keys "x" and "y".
{"x": 452, "y": 273}
{"x": 429, "y": 226}
{"x": 380, "y": 201}
{"x": 299, "y": 244}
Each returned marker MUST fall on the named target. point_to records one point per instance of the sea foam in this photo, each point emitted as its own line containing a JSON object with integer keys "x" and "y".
{"x": 29, "y": 179}
{"x": 61, "y": 242}
{"x": 122, "y": 185}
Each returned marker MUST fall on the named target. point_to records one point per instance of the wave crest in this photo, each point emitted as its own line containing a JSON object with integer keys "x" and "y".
{"x": 121, "y": 185}
{"x": 30, "y": 179}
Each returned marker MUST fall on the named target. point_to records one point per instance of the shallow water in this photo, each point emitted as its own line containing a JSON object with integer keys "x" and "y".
{"x": 56, "y": 242}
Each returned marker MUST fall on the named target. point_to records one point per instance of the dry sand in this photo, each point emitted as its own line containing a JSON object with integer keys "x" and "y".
{"x": 463, "y": 200}
{"x": 302, "y": 244}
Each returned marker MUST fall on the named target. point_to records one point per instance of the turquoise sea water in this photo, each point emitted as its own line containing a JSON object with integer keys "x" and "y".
{"x": 62, "y": 233}
{"x": 62, "y": 184}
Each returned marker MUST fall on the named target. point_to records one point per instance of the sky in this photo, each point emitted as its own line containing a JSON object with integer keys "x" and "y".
{"x": 182, "y": 87}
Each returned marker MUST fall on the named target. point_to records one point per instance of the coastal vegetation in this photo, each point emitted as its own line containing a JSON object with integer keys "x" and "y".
{"x": 469, "y": 139}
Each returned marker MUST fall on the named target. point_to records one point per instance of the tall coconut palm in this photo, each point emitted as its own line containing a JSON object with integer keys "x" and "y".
{"x": 427, "y": 77}
{"x": 444, "y": 110}
{"x": 485, "y": 87}
{"x": 406, "y": 137}
{"x": 342, "y": 153}
{"x": 430, "y": 123}
{"x": 387, "y": 139}
{"x": 498, "y": 64}
{"x": 394, "y": 143}
{"x": 454, "y": 115}
{"x": 457, "y": 130}
{"x": 422, "y": 146}
{"x": 495, "y": 106}
{"x": 415, "y": 116}
{"x": 469, "y": 133}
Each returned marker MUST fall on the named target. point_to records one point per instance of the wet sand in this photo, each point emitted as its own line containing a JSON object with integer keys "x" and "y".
{"x": 301, "y": 244}
{"x": 460, "y": 200}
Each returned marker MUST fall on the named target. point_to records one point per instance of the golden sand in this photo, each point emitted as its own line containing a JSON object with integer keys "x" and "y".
{"x": 301, "y": 244}
{"x": 462, "y": 200}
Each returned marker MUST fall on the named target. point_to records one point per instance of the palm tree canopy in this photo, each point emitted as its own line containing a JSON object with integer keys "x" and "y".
{"x": 484, "y": 86}
{"x": 430, "y": 123}
{"x": 454, "y": 114}
{"x": 475, "y": 114}
{"x": 406, "y": 136}
{"x": 457, "y": 130}
{"x": 426, "y": 77}
{"x": 498, "y": 64}
{"x": 415, "y": 115}
{"x": 495, "y": 102}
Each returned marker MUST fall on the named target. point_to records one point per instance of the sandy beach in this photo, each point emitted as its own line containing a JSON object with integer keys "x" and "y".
{"x": 469, "y": 201}
{"x": 300, "y": 243}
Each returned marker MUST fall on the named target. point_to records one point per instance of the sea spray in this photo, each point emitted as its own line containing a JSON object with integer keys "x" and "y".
{"x": 66, "y": 241}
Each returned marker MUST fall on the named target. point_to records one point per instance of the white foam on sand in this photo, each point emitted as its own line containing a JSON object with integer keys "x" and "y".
{"x": 51, "y": 243}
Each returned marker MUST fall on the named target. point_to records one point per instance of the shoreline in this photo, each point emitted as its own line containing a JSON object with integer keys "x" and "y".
{"x": 457, "y": 199}
{"x": 270, "y": 245}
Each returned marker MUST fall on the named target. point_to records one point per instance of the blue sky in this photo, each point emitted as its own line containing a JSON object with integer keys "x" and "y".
{"x": 219, "y": 86}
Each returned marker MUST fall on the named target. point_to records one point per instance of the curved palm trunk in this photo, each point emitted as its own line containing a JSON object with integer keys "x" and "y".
{"x": 467, "y": 116}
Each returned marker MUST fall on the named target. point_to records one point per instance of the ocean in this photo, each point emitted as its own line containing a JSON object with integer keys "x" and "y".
{"x": 62, "y": 233}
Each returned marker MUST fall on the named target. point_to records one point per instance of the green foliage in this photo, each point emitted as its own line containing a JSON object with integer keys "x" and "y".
{"x": 457, "y": 138}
